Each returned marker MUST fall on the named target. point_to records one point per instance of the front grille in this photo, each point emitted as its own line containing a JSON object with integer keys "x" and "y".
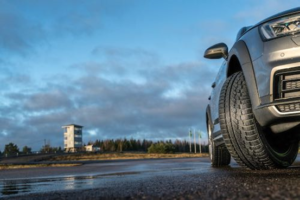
{"x": 293, "y": 107}
{"x": 292, "y": 85}
{"x": 287, "y": 84}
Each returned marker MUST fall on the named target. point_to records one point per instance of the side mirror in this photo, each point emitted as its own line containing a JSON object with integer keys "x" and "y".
{"x": 217, "y": 51}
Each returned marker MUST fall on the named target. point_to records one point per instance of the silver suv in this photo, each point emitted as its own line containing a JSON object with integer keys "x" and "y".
{"x": 254, "y": 109}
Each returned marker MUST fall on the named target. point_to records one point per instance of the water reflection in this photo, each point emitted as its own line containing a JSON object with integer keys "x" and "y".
{"x": 10, "y": 188}
{"x": 70, "y": 183}
{"x": 14, "y": 187}
{"x": 19, "y": 187}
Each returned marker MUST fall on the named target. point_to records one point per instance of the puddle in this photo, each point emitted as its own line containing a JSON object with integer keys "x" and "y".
{"x": 28, "y": 186}
{"x": 16, "y": 187}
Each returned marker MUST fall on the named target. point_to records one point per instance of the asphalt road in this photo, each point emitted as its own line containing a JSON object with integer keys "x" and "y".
{"x": 191, "y": 178}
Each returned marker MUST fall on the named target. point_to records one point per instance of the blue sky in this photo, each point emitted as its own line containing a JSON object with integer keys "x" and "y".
{"x": 120, "y": 68}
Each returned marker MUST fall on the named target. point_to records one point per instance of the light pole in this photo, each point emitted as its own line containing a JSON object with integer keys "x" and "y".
{"x": 190, "y": 135}
{"x": 195, "y": 141}
{"x": 200, "y": 136}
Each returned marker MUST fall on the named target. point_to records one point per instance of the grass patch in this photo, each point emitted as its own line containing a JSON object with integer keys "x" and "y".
{"x": 19, "y": 166}
{"x": 119, "y": 156}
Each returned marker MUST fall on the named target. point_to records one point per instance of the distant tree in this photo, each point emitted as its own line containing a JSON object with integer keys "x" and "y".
{"x": 53, "y": 150}
{"x": 133, "y": 144}
{"x": 119, "y": 143}
{"x": 113, "y": 145}
{"x": 26, "y": 150}
{"x": 169, "y": 147}
{"x": 11, "y": 149}
{"x": 156, "y": 148}
{"x": 161, "y": 147}
{"x": 45, "y": 149}
{"x": 97, "y": 143}
{"x": 48, "y": 149}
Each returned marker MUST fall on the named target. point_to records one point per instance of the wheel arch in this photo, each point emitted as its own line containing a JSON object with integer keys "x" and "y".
{"x": 234, "y": 65}
{"x": 239, "y": 59}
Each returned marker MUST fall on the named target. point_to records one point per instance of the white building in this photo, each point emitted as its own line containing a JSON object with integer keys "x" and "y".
{"x": 72, "y": 137}
{"x": 92, "y": 148}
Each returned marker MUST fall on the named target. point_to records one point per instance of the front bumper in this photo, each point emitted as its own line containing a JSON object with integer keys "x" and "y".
{"x": 268, "y": 115}
{"x": 277, "y": 73}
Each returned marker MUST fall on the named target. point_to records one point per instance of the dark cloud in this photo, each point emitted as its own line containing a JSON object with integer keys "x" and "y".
{"x": 81, "y": 21}
{"x": 122, "y": 61}
{"x": 50, "y": 100}
{"x": 18, "y": 35}
{"x": 17, "y": 79}
{"x": 21, "y": 34}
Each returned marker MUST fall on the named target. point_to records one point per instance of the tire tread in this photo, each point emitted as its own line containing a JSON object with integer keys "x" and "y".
{"x": 238, "y": 125}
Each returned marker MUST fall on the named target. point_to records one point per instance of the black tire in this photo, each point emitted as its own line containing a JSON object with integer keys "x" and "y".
{"x": 219, "y": 155}
{"x": 247, "y": 142}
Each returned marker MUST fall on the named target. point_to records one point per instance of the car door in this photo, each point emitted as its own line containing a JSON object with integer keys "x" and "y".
{"x": 215, "y": 96}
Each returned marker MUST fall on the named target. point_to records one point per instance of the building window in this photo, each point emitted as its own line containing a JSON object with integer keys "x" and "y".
{"x": 78, "y": 136}
{"x": 66, "y": 138}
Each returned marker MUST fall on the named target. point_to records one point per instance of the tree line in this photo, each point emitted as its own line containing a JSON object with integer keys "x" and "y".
{"x": 117, "y": 145}
{"x": 12, "y": 149}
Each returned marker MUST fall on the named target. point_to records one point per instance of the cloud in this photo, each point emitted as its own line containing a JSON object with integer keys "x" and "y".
{"x": 22, "y": 33}
{"x": 18, "y": 35}
{"x": 117, "y": 52}
{"x": 16, "y": 79}
{"x": 50, "y": 100}
{"x": 77, "y": 22}
{"x": 125, "y": 59}
{"x": 115, "y": 108}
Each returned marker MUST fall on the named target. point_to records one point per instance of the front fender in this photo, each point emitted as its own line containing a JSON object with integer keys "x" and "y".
{"x": 240, "y": 50}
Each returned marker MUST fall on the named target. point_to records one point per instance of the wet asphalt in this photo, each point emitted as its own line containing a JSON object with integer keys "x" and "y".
{"x": 190, "y": 178}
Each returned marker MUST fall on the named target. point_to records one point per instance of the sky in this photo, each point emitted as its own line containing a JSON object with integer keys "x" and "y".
{"x": 120, "y": 68}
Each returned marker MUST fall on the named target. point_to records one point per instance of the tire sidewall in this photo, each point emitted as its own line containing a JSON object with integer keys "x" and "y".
{"x": 281, "y": 160}
{"x": 210, "y": 139}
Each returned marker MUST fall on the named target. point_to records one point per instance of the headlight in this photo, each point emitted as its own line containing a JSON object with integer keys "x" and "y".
{"x": 281, "y": 27}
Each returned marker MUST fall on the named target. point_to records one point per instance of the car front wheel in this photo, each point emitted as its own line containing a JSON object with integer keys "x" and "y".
{"x": 248, "y": 143}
